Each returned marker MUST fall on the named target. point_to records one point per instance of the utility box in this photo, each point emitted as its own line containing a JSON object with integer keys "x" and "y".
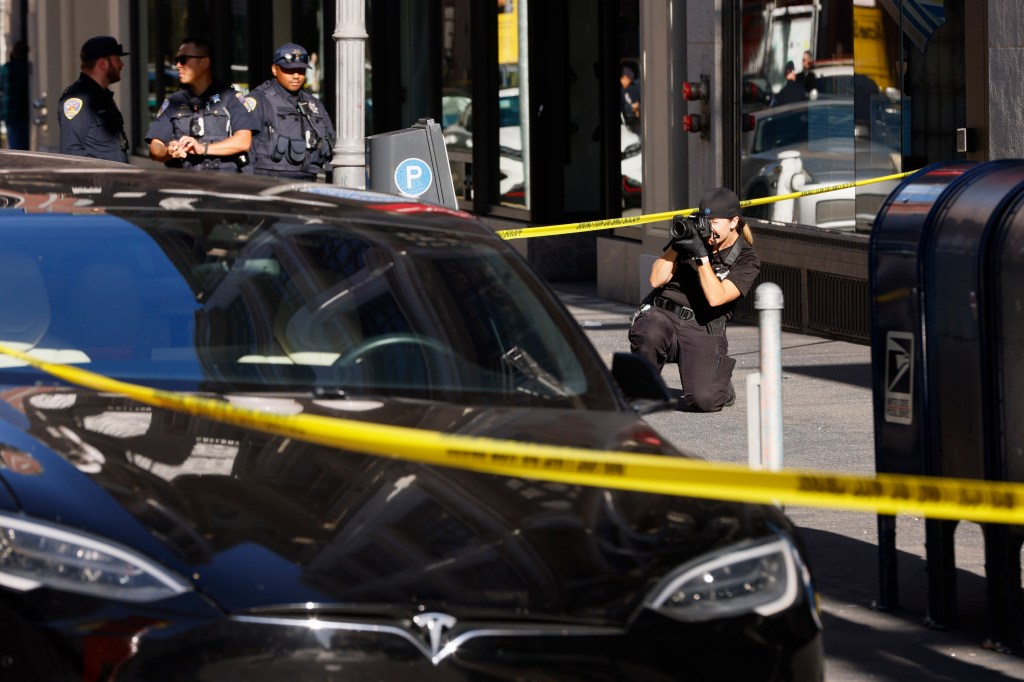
{"x": 412, "y": 162}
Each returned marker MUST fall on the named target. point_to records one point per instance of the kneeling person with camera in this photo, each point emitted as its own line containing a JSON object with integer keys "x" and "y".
{"x": 697, "y": 282}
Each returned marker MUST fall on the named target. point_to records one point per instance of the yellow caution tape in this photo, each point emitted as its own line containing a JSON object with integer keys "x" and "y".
{"x": 628, "y": 221}
{"x": 944, "y": 498}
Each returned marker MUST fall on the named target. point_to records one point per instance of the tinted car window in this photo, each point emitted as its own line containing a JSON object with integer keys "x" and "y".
{"x": 224, "y": 300}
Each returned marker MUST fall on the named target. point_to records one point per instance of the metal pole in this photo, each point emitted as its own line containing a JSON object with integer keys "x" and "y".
{"x": 349, "y": 161}
{"x": 768, "y": 303}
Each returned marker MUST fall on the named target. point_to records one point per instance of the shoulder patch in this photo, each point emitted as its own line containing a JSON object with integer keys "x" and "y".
{"x": 163, "y": 107}
{"x": 72, "y": 106}
{"x": 249, "y": 103}
{"x": 240, "y": 97}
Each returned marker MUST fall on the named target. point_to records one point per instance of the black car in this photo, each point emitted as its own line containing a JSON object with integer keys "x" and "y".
{"x": 140, "y": 543}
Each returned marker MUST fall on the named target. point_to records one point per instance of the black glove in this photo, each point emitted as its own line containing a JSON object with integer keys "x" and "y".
{"x": 690, "y": 246}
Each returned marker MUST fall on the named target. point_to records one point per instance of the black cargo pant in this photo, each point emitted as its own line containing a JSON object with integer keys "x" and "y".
{"x": 705, "y": 368}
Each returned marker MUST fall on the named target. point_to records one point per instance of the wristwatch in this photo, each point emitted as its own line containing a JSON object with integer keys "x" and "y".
{"x": 701, "y": 260}
{"x": 206, "y": 149}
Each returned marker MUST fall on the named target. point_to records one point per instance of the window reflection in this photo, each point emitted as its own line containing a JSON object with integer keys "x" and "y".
{"x": 457, "y": 103}
{"x": 456, "y": 100}
{"x": 513, "y": 125}
{"x": 820, "y": 108}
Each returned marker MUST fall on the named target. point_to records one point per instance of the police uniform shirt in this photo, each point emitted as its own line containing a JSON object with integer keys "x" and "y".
{"x": 684, "y": 287}
{"x": 211, "y": 117}
{"x": 90, "y": 122}
{"x": 296, "y": 135}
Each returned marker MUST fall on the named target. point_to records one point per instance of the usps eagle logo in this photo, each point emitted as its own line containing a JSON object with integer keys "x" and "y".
{"x": 72, "y": 106}
{"x": 249, "y": 103}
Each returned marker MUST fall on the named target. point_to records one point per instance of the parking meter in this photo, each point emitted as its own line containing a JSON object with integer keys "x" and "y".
{"x": 412, "y": 162}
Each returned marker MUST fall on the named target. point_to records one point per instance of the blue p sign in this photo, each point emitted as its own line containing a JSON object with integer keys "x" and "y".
{"x": 413, "y": 177}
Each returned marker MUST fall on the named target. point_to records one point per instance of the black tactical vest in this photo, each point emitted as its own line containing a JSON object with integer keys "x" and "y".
{"x": 295, "y": 137}
{"x": 208, "y": 120}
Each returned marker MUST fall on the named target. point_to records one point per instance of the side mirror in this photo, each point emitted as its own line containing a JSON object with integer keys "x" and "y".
{"x": 641, "y": 383}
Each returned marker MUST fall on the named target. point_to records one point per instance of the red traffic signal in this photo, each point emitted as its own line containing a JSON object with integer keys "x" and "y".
{"x": 695, "y": 90}
{"x": 694, "y": 123}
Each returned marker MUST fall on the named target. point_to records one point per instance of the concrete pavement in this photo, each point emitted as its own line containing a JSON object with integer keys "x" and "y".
{"x": 828, "y": 425}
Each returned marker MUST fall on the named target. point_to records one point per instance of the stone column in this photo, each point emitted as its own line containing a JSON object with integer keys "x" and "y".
{"x": 350, "y": 147}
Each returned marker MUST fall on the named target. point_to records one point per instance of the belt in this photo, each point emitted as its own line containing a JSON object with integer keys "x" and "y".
{"x": 679, "y": 309}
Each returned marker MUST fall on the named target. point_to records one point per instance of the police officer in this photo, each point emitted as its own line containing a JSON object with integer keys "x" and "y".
{"x": 206, "y": 125}
{"x": 296, "y": 135}
{"x": 697, "y": 284}
{"x": 90, "y": 122}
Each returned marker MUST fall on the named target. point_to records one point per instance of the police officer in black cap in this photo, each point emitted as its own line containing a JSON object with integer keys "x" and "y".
{"x": 296, "y": 135}
{"x": 207, "y": 125}
{"x": 698, "y": 282}
{"x": 90, "y": 122}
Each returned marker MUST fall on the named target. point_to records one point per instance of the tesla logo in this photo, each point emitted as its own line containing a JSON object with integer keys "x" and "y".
{"x": 434, "y": 624}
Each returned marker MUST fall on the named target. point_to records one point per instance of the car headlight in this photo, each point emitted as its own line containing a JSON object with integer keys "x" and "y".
{"x": 34, "y": 554}
{"x": 758, "y": 578}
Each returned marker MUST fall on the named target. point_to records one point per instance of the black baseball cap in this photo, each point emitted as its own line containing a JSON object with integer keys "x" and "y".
{"x": 291, "y": 56}
{"x": 101, "y": 46}
{"x": 720, "y": 203}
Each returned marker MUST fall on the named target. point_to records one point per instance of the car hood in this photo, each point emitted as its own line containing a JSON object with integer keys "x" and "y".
{"x": 263, "y": 522}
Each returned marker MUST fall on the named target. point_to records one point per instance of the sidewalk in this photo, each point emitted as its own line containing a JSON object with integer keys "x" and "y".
{"x": 828, "y": 425}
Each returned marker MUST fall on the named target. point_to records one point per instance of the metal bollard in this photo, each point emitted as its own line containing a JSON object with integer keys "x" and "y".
{"x": 765, "y": 433}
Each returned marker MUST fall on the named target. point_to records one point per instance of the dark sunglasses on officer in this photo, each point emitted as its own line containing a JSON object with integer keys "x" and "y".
{"x": 292, "y": 58}
{"x": 183, "y": 58}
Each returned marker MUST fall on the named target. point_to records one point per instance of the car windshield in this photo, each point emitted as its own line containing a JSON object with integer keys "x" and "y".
{"x": 818, "y": 127}
{"x": 221, "y": 302}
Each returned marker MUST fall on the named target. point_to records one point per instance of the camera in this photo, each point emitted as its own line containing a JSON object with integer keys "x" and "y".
{"x": 688, "y": 226}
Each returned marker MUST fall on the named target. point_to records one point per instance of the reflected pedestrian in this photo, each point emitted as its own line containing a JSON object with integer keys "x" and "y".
{"x": 14, "y": 105}
{"x": 630, "y": 99}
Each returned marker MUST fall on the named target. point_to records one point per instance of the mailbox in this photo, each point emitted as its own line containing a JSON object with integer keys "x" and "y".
{"x": 948, "y": 366}
{"x": 900, "y": 395}
{"x": 1002, "y": 266}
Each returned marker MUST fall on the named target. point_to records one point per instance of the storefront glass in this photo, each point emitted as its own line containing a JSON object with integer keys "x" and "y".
{"x": 844, "y": 91}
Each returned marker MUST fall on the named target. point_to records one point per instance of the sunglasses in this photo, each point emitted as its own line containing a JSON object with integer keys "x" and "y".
{"x": 290, "y": 58}
{"x": 182, "y": 58}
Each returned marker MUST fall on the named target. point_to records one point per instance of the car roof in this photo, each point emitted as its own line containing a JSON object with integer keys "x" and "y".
{"x": 28, "y": 181}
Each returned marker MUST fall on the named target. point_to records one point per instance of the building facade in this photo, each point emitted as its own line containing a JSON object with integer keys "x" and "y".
{"x": 530, "y": 98}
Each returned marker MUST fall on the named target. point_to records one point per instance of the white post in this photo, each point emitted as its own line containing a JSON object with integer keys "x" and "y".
{"x": 791, "y": 179}
{"x": 754, "y": 420}
{"x": 349, "y": 161}
{"x": 768, "y": 303}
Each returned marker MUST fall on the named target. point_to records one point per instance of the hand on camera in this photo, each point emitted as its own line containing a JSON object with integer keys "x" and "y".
{"x": 690, "y": 245}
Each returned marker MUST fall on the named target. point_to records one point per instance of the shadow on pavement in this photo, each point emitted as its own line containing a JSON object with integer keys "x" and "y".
{"x": 855, "y": 375}
{"x": 896, "y": 645}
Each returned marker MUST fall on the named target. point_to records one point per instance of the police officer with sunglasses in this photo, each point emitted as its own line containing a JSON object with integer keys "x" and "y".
{"x": 296, "y": 136}
{"x": 207, "y": 124}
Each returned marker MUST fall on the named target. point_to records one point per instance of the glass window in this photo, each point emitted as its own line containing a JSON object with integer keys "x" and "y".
{"x": 263, "y": 301}
{"x": 513, "y": 127}
{"x": 512, "y": 94}
{"x": 456, "y": 93}
{"x": 846, "y": 90}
